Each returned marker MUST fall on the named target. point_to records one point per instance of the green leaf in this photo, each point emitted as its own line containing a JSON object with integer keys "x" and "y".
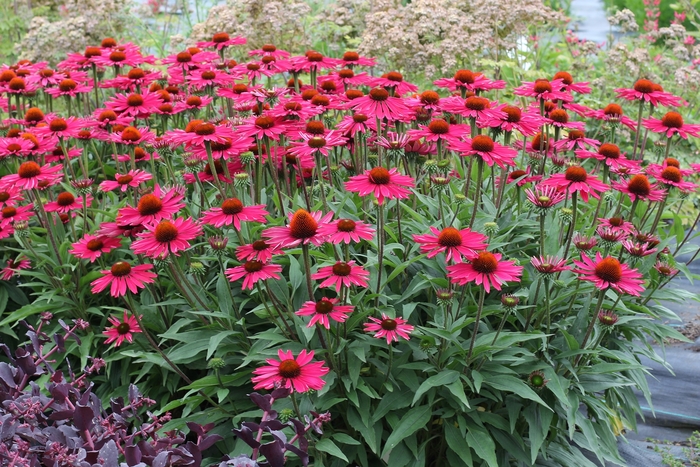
{"x": 441, "y": 379}
{"x": 538, "y": 421}
{"x": 346, "y": 439}
{"x": 215, "y": 340}
{"x": 328, "y": 446}
{"x": 458, "y": 443}
{"x": 515, "y": 385}
{"x": 414, "y": 420}
{"x": 457, "y": 389}
{"x": 482, "y": 443}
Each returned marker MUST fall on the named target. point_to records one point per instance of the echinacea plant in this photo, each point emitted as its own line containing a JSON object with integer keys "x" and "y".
{"x": 444, "y": 276}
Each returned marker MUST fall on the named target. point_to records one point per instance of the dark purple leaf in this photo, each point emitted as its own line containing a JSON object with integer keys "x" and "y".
{"x": 84, "y": 417}
{"x": 281, "y": 393}
{"x": 7, "y": 375}
{"x": 62, "y": 414}
{"x": 261, "y": 401}
{"x": 274, "y": 453}
{"x": 60, "y": 342}
{"x": 161, "y": 460}
{"x": 298, "y": 426}
{"x": 134, "y": 393}
{"x": 196, "y": 427}
{"x": 246, "y": 434}
{"x": 273, "y": 425}
{"x": 7, "y": 427}
{"x": 109, "y": 455}
{"x": 209, "y": 441}
{"x": 132, "y": 455}
{"x": 303, "y": 455}
{"x": 25, "y": 361}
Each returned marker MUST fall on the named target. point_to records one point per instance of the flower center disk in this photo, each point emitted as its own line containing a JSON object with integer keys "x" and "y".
{"x": 576, "y": 174}
{"x": 120, "y": 269}
{"x": 341, "y": 269}
{"x": 165, "y": 232}
{"x": 450, "y": 237}
{"x": 289, "y": 369}
{"x": 485, "y": 263}
{"x": 303, "y": 225}
{"x": 609, "y": 270}
{"x": 231, "y": 206}
{"x": 149, "y": 205}
{"x": 379, "y": 176}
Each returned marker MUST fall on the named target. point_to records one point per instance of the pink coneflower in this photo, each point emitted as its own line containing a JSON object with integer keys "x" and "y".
{"x": 391, "y": 328}
{"x": 576, "y": 139}
{"x": 122, "y": 182}
{"x": 560, "y": 119}
{"x": 30, "y": 175}
{"x": 638, "y": 187}
{"x": 467, "y": 80}
{"x": 638, "y": 249}
{"x": 612, "y": 113}
{"x": 378, "y": 104}
{"x": 647, "y": 91}
{"x": 352, "y": 59}
{"x": 609, "y": 236}
{"x": 6, "y": 231}
{"x": 670, "y": 176}
{"x": 485, "y": 268}
{"x": 191, "y": 103}
{"x": 382, "y": 183}
{"x": 617, "y": 223}
{"x": 342, "y": 274}
{"x": 68, "y": 87}
{"x": 298, "y": 374}
{"x": 522, "y": 177}
{"x": 167, "y": 237}
{"x": 10, "y": 196}
{"x": 67, "y": 202}
{"x": 302, "y": 229}
{"x": 252, "y": 271}
{"x": 672, "y": 124}
{"x": 509, "y": 117}
{"x": 18, "y": 147}
{"x": 153, "y": 207}
{"x": 610, "y": 154}
{"x": 202, "y": 132}
{"x": 288, "y": 109}
{"x": 394, "y": 80}
{"x": 259, "y": 250}
{"x": 475, "y": 107}
{"x": 135, "y": 105}
{"x": 122, "y": 276}
{"x": 438, "y": 130}
{"x": 106, "y": 118}
{"x": 132, "y": 136}
{"x": 314, "y": 144}
{"x": 122, "y": 330}
{"x": 227, "y": 150}
{"x": 665, "y": 269}
{"x": 609, "y": 272}
{"x": 221, "y": 40}
{"x": 350, "y": 125}
{"x": 269, "y": 50}
{"x": 568, "y": 84}
{"x": 13, "y": 267}
{"x": 544, "y": 90}
{"x": 233, "y": 212}
{"x": 264, "y": 125}
{"x": 313, "y": 60}
{"x": 576, "y": 179}
{"x": 346, "y": 231}
{"x": 544, "y": 197}
{"x": 484, "y": 147}
{"x": 548, "y": 265}
{"x": 92, "y": 246}
{"x": 10, "y": 214}
{"x": 455, "y": 243}
{"x": 324, "y": 309}
{"x": 60, "y": 127}
{"x": 583, "y": 243}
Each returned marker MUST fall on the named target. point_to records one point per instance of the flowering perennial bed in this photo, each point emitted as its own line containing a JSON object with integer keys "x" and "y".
{"x": 465, "y": 275}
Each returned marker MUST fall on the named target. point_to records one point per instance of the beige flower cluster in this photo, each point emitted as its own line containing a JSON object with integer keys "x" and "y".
{"x": 439, "y": 35}
{"x": 278, "y": 22}
{"x": 624, "y": 20}
{"x": 82, "y": 23}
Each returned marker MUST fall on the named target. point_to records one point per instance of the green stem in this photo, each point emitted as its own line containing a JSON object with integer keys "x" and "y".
{"x": 477, "y": 321}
